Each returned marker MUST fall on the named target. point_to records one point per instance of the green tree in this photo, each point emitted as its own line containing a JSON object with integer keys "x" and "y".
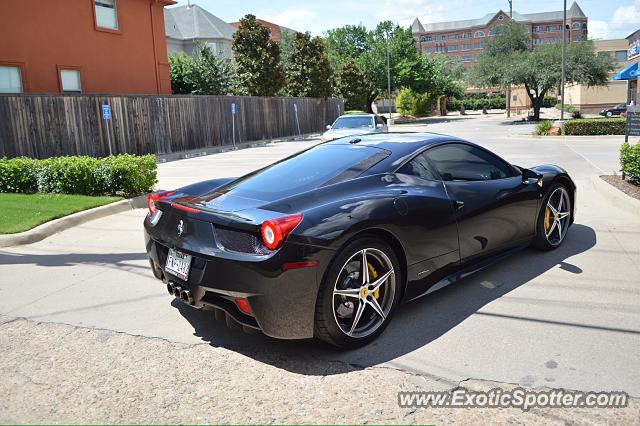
{"x": 512, "y": 59}
{"x": 352, "y": 86}
{"x": 368, "y": 49}
{"x": 308, "y": 72}
{"x": 201, "y": 74}
{"x": 257, "y": 59}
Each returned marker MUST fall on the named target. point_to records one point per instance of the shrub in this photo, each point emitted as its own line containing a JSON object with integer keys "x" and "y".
{"x": 412, "y": 103}
{"x": 18, "y": 175}
{"x": 70, "y": 175}
{"x": 477, "y": 103}
{"x": 122, "y": 174}
{"x": 128, "y": 174}
{"x": 549, "y": 102}
{"x": 543, "y": 127}
{"x": 567, "y": 107}
{"x": 595, "y": 126}
{"x": 630, "y": 162}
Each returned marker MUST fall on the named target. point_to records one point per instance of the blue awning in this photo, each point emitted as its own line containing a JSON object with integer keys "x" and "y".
{"x": 627, "y": 73}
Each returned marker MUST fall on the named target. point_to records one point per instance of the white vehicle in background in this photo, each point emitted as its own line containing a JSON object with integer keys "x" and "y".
{"x": 355, "y": 124}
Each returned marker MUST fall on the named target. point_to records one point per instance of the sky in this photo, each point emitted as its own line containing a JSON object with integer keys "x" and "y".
{"x": 607, "y": 18}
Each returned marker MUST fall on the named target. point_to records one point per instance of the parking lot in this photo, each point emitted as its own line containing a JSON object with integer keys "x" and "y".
{"x": 85, "y": 323}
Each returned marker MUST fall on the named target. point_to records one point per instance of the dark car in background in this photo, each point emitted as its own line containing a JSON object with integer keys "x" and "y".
{"x": 329, "y": 242}
{"x": 616, "y": 110}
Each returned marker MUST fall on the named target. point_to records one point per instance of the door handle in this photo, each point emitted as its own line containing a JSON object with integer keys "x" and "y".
{"x": 458, "y": 204}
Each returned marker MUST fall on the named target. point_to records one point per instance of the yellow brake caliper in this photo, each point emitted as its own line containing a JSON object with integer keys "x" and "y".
{"x": 372, "y": 276}
{"x": 547, "y": 215}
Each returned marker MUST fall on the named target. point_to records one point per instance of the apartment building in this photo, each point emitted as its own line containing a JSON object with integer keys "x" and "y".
{"x": 465, "y": 39}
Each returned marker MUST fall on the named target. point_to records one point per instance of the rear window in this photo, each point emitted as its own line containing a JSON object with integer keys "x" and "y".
{"x": 353, "y": 123}
{"x": 319, "y": 166}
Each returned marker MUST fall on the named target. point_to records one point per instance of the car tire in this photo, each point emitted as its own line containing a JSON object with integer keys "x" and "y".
{"x": 609, "y": 114}
{"x": 331, "y": 324}
{"x": 544, "y": 221}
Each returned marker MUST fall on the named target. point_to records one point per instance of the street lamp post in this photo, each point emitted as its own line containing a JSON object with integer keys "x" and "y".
{"x": 389, "y": 78}
{"x": 564, "y": 58}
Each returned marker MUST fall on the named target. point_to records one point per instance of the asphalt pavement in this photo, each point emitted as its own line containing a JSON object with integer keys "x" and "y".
{"x": 569, "y": 318}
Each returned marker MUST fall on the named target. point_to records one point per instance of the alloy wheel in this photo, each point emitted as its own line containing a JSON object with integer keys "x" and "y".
{"x": 364, "y": 292}
{"x": 557, "y": 216}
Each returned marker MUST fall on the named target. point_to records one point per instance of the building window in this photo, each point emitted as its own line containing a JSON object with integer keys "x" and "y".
{"x": 500, "y": 18}
{"x": 452, "y": 48}
{"x": 428, "y": 50}
{"x": 466, "y": 59}
{"x": 11, "y": 79}
{"x": 453, "y": 36}
{"x": 576, "y": 25}
{"x": 466, "y": 47}
{"x": 213, "y": 47}
{"x": 478, "y": 45}
{"x": 620, "y": 55}
{"x": 584, "y": 25}
{"x": 70, "y": 81}
{"x": 466, "y": 35}
{"x": 440, "y": 37}
{"x": 425, "y": 38}
{"x": 537, "y": 41}
{"x": 551, "y": 40}
{"x": 440, "y": 48}
{"x": 479, "y": 34}
{"x": 538, "y": 29}
{"x": 552, "y": 28}
{"x": 106, "y": 14}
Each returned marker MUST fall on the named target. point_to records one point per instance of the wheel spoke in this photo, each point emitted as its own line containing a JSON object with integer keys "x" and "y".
{"x": 553, "y": 226}
{"x": 347, "y": 292}
{"x": 560, "y": 202}
{"x": 559, "y": 229}
{"x": 377, "y": 283}
{"x": 553, "y": 209}
{"x": 376, "y": 307}
{"x": 365, "y": 268}
{"x": 356, "y": 317}
{"x": 562, "y": 215}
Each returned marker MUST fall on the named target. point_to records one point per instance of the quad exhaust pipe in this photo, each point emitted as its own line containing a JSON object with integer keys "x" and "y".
{"x": 180, "y": 293}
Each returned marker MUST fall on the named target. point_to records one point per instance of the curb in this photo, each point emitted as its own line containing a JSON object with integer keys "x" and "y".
{"x": 615, "y": 196}
{"x": 47, "y": 229}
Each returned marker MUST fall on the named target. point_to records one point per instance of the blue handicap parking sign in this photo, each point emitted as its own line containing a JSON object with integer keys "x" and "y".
{"x": 106, "y": 112}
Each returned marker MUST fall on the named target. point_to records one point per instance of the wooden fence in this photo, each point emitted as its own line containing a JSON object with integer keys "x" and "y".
{"x": 41, "y": 126}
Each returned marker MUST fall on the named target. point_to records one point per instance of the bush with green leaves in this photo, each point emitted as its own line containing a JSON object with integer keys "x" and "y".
{"x": 120, "y": 174}
{"x": 410, "y": 102}
{"x": 595, "y": 126}
{"x": 549, "y": 101}
{"x": 18, "y": 175}
{"x": 477, "y": 103}
{"x": 567, "y": 107}
{"x": 630, "y": 162}
{"x": 542, "y": 129}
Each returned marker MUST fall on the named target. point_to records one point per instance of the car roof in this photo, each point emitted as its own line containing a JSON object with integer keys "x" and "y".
{"x": 357, "y": 115}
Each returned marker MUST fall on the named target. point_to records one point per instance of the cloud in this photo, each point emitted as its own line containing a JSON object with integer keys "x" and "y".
{"x": 405, "y": 11}
{"x": 296, "y": 19}
{"x": 624, "y": 21}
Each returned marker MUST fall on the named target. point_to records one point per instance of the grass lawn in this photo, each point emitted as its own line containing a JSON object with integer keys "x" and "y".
{"x": 21, "y": 212}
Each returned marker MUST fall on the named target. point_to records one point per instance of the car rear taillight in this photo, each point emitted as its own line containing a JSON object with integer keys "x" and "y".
{"x": 243, "y": 305}
{"x": 152, "y": 199}
{"x": 275, "y": 231}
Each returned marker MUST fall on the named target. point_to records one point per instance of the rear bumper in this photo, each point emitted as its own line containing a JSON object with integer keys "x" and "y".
{"x": 282, "y": 302}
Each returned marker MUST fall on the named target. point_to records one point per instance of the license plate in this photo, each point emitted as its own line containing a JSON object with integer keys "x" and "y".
{"x": 178, "y": 264}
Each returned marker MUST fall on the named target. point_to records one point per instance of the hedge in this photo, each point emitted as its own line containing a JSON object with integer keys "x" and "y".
{"x": 121, "y": 174}
{"x": 409, "y": 102}
{"x": 595, "y": 126}
{"x": 496, "y": 102}
{"x": 630, "y": 161}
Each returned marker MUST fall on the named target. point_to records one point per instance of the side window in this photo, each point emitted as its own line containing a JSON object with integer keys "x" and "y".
{"x": 420, "y": 167}
{"x": 466, "y": 163}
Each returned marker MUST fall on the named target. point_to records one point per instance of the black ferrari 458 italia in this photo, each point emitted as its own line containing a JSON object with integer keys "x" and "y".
{"x": 329, "y": 242}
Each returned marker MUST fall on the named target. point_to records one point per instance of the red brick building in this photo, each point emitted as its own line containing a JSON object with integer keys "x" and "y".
{"x": 275, "y": 29}
{"x": 83, "y": 46}
{"x": 465, "y": 39}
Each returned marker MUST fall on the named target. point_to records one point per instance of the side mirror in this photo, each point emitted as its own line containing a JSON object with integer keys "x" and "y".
{"x": 328, "y": 126}
{"x": 529, "y": 176}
